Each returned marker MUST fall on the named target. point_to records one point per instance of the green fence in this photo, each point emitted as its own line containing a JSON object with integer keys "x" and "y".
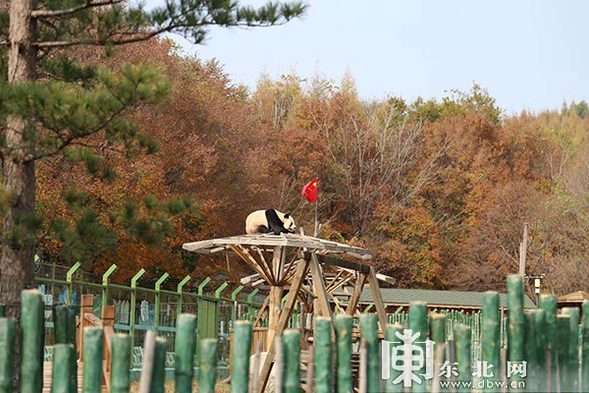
{"x": 543, "y": 353}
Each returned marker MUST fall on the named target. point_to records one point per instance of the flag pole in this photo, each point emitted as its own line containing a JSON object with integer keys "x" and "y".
{"x": 316, "y": 205}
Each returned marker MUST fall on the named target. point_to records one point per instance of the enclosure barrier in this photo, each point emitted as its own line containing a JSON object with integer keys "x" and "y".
{"x": 544, "y": 353}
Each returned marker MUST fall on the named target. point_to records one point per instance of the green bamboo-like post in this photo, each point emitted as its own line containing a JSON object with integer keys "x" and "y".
{"x": 62, "y": 368}
{"x": 490, "y": 332}
{"x": 240, "y": 362}
{"x": 323, "y": 356}
{"x": 531, "y": 354}
{"x": 158, "y": 376}
{"x": 2, "y": 310}
{"x": 438, "y": 334}
{"x": 185, "y": 349}
{"x": 291, "y": 343}
{"x": 71, "y": 339}
{"x": 585, "y": 339}
{"x": 7, "y": 337}
{"x": 391, "y": 337}
{"x": 31, "y": 369}
{"x": 121, "y": 363}
{"x": 343, "y": 331}
{"x": 462, "y": 337}
{"x": 60, "y": 318}
{"x": 563, "y": 339}
{"x": 418, "y": 324}
{"x": 517, "y": 325}
{"x": 93, "y": 355}
{"x": 548, "y": 304}
{"x": 208, "y": 365}
{"x": 541, "y": 349}
{"x": 369, "y": 332}
{"x": 573, "y": 313}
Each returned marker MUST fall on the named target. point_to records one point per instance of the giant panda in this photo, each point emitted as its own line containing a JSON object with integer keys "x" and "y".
{"x": 269, "y": 221}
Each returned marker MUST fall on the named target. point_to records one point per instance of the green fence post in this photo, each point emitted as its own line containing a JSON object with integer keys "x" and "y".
{"x": 343, "y": 331}
{"x": 179, "y": 290}
{"x": 391, "y": 337}
{"x": 250, "y": 300}
{"x": 541, "y": 348}
{"x": 531, "y": 354}
{"x": 60, "y": 324}
{"x": 158, "y": 285}
{"x": 121, "y": 363}
{"x": 69, "y": 278}
{"x": 199, "y": 314}
{"x": 573, "y": 313}
{"x": 208, "y": 366}
{"x": 438, "y": 334}
{"x": 71, "y": 339}
{"x": 93, "y": 355}
{"x": 490, "y": 333}
{"x": 291, "y": 341}
{"x": 323, "y": 356}
{"x": 62, "y": 368}
{"x": 418, "y": 324}
{"x": 235, "y": 304}
{"x": 218, "y": 306}
{"x": 548, "y": 304}
{"x": 7, "y": 337}
{"x": 585, "y": 340}
{"x": 105, "y": 283}
{"x": 515, "y": 310}
{"x": 134, "y": 280}
{"x": 369, "y": 332}
{"x": 158, "y": 378}
{"x": 32, "y": 321}
{"x": 185, "y": 348}
{"x": 240, "y": 362}
{"x": 563, "y": 339}
{"x": 2, "y": 310}
{"x": 462, "y": 337}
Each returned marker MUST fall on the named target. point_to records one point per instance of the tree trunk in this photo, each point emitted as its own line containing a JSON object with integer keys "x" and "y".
{"x": 18, "y": 246}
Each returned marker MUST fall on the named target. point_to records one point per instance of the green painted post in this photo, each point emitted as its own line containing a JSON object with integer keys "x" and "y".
{"x": 462, "y": 337}
{"x": 120, "y": 381}
{"x": 69, "y": 278}
{"x": 158, "y": 377}
{"x": 200, "y": 318}
{"x": 71, "y": 339}
{"x": 548, "y": 304}
{"x": 291, "y": 341}
{"x": 418, "y": 324}
{"x": 62, "y": 368}
{"x": 573, "y": 313}
{"x": 185, "y": 348}
{"x": 490, "y": 332}
{"x": 391, "y": 336}
{"x": 343, "y": 331}
{"x": 234, "y": 307}
{"x": 515, "y": 309}
{"x": 369, "y": 332}
{"x": 7, "y": 337}
{"x": 179, "y": 290}
{"x": 60, "y": 322}
{"x": 158, "y": 285}
{"x": 31, "y": 368}
{"x": 217, "y": 306}
{"x": 2, "y": 310}
{"x": 134, "y": 280}
{"x": 531, "y": 354}
{"x": 323, "y": 356}
{"x": 105, "y": 276}
{"x": 93, "y": 355}
{"x": 438, "y": 334}
{"x": 250, "y": 300}
{"x": 541, "y": 348}
{"x": 585, "y": 349}
{"x": 202, "y": 285}
{"x": 240, "y": 363}
{"x": 563, "y": 339}
{"x": 208, "y": 365}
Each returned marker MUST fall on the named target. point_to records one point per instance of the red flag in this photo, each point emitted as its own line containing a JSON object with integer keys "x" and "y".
{"x": 311, "y": 191}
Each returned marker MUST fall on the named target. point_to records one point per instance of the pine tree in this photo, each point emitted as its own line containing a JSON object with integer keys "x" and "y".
{"x": 50, "y": 105}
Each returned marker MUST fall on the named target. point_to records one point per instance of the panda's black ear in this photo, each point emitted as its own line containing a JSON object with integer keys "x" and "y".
{"x": 286, "y": 215}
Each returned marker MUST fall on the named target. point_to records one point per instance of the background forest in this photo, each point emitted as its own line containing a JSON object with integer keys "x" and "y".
{"x": 439, "y": 189}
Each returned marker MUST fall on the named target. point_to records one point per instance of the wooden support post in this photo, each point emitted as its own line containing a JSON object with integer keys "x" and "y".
{"x": 319, "y": 285}
{"x": 283, "y": 322}
{"x": 353, "y": 304}
{"x": 274, "y": 306}
{"x": 377, "y": 296}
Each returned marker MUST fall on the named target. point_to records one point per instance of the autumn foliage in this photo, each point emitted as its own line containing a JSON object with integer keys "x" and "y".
{"x": 440, "y": 190}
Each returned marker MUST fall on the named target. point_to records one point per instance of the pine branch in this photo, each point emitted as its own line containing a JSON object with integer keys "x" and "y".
{"x": 73, "y": 10}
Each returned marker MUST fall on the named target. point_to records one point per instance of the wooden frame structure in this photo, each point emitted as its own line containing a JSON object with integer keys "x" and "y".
{"x": 309, "y": 268}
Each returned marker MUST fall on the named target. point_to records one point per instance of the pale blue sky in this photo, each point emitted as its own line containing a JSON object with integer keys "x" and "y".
{"x": 529, "y": 54}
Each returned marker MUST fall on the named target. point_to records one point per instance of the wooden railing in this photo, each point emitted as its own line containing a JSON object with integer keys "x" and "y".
{"x": 107, "y": 323}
